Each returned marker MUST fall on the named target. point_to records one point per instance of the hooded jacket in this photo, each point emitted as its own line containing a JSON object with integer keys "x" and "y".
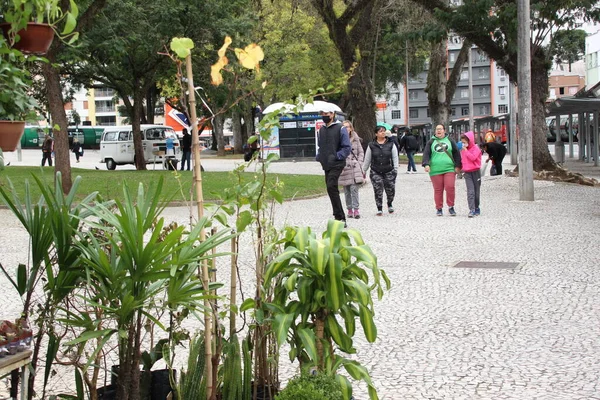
{"x": 471, "y": 156}
{"x": 352, "y": 172}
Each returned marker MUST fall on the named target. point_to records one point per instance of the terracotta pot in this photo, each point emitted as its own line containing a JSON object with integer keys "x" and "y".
{"x": 35, "y": 39}
{"x": 10, "y": 134}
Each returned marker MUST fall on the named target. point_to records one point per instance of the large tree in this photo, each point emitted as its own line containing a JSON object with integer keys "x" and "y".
{"x": 351, "y": 28}
{"x": 568, "y": 46}
{"x": 53, "y": 89}
{"x": 492, "y": 26}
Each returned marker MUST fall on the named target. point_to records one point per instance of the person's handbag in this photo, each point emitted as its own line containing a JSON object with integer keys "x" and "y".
{"x": 483, "y": 169}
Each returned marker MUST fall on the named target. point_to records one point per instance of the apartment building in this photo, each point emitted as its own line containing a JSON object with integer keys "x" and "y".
{"x": 592, "y": 59}
{"x": 562, "y": 83}
{"x": 490, "y": 91}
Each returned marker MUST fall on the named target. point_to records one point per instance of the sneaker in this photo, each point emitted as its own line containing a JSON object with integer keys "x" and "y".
{"x": 391, "y": 209}
{"x": 356, "y": 214}
{"x": 408, "y": 172}
{"x": 451, "y": 212}
{"x": 471, "y": 214}
{"x": 439, "y": 212}
{"x": 350, "y": 213}
{"x": 379, "y": 213}
{"x": 477, "y": 212}
{"x": 345, "y": 224}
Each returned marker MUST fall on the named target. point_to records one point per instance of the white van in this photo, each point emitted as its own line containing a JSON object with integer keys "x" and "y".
{"x": 116, "y": 145}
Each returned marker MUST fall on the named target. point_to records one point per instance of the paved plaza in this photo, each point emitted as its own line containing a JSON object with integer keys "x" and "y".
{"x": 531, "y": 332}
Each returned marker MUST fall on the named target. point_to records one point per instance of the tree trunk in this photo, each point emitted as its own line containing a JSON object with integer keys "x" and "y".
{"x": 138, "y": 95}
{"x": 320, "y": 334}
{"x": 439, "y": 109}
{"x": 218, "y": 123}
{"x": 542, "y": 160}
{"x": 361, "y": 102}
{"x": 248, "y": 125}
{"x": 236, "y": 127}
{"x": 59, "y": 117}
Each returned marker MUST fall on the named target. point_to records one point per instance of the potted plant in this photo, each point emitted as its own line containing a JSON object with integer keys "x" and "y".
{"x": 16, "y": 104}
{"x": 30, "y": 25}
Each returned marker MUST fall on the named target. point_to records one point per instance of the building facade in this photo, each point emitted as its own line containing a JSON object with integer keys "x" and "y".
{"x": 592, "y": 56}
{"x": 490, "y": 91}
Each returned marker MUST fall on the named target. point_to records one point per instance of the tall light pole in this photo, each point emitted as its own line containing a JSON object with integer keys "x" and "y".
{"x": 471, "y": 111}
{"x": 525, "y": 122}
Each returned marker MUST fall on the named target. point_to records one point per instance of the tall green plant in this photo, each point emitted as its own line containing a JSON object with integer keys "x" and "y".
{"x": 51, "y": 223}
{"x": 318, "y": 282}
{"x": 132, "y": 266}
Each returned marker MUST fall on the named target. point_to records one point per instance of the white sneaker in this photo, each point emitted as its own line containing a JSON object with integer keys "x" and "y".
{"x": 408, "y": 172}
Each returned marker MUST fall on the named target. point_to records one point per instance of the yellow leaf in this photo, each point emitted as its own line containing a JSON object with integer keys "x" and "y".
{"x": 264, "y": 84}
{"x": 251, "y": 56}
{"x": 215, "y": 71}
{"x": 225, "y": 46}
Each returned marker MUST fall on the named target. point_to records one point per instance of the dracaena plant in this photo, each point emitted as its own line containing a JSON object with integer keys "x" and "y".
{"x": 319, "y": 282}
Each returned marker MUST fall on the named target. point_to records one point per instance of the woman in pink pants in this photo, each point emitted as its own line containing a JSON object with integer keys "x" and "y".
{"x": 441, "y": 159}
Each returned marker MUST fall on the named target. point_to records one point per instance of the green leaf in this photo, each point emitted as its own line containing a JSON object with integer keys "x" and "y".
{"x": 338, "y": 334}
{"x": 349, "y": 320}
{"x": 281, "y": 326}
{"x": 359, "y": 289}
{"x": 302, "y": 238}
{"x": 335, "y": 287}
{"x": 21, "y": 279}
{"x": 304, "y": 289}
{"x": 243, "y": 220}
{"x": 345, "y": 385}
{"x": 182, "y": 46}
{"x": 85, "y": 336}
{"x": 309, "y": 341}
{"x": 290, "y": 283}
{"x": 368, "y": 325}
{"x": 247, "y": 305}
{"x": 319, "y": 255}
{"x": 79, "y": 384}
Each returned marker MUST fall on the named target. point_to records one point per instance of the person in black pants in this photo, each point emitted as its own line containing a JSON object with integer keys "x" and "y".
{"x": 186, "y": 149}
{"x": 496, "y": 153}
{"x": 47, "y": 149}
{"x": 334, "y": 148}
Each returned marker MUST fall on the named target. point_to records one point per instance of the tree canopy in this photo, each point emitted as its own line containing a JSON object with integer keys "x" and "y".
{"x": 568, "y": 46}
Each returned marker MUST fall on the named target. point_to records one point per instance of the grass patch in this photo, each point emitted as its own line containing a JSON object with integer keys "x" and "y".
{"x": 404, "y": 160}
{"x": 177, "y": 184}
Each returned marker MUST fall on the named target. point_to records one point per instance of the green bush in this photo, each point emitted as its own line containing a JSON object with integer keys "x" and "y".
{"x": 312, "y": 387}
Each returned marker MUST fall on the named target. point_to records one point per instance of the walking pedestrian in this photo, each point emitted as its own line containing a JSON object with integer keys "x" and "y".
{"x": 470, "y": 156}
{"x": 496, "y": 153}
{"x": 186, "y": 150}
{"x": 77, "y": 149}
{"x": 382, "y": 158}
{"x": 47, "y": 149}
{"x": 410, "y": 145}
{"x": 352, "y": 174}
{"x": 441, "y": 159}
{"x": 334, "y": 148}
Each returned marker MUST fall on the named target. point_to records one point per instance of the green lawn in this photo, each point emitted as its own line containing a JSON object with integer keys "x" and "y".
{"x": 109, "y": 183}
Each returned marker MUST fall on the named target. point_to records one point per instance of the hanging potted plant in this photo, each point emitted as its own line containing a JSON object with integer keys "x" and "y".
{"x": 16, "y": 104}
{"x": 30, "y": 25}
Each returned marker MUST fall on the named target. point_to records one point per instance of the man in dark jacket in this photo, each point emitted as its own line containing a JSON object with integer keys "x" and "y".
{"x": 410, "y": 145}
{"x": 186, "y": 149}
{"x": 496, "y": 153}
{"x": 334, "y": 148}
{"x": 47, "y": 149}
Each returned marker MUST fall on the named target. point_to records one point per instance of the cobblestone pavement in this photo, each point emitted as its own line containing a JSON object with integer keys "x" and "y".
{"x": 448, "y": 333}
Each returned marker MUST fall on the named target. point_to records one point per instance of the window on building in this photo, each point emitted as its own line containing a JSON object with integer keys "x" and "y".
{"x": 452, "y": 57}
{"x": 428, "y": 113}
{"x": 484, "y": 73}
{"x": 396, "y": 114}
{"x": 589, "y": 61}
{"x": 104, "y": 92}
{"x": 552, "y": 92}
{"x": 502, "y": 90}
{"x": 413, "y": 94}
{"x": 484, "y": 91}
{"x": 414, "y": 113}
{"x": 397, "y": 96}
{"x": 85, "y": 105}
{"x": 464, "y": 93}
{"x": 561, "y": 90}
{"x": 573, "y": 90}
{"x": 105, "y": 106}
{"x": 502, "y": 108}
{"x": 481, "y": 56}
{"x": 501, "y": 72}
{"x": 464, "y": 75}
{"x": 484, "y": 110}
{"x": 464, "y": 110}
{"x": 453, "y": 111}
{"x": 109, "y": 120}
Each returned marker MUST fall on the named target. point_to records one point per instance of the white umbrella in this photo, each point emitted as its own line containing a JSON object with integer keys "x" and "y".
{"x": 319, "y": 105}
{"x": 277, "y": 106}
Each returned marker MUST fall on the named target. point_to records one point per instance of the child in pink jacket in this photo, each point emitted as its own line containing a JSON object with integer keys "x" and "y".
{"x": 470, "y": 155}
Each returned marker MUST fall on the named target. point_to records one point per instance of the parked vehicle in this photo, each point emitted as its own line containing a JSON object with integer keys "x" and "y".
{"x": 116, "y": 146}
{"x": 564, "y": 128}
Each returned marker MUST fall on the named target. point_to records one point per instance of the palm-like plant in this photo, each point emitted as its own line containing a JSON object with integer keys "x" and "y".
{"x": 317, "y": 283}
{"x": 135, "y": 268}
